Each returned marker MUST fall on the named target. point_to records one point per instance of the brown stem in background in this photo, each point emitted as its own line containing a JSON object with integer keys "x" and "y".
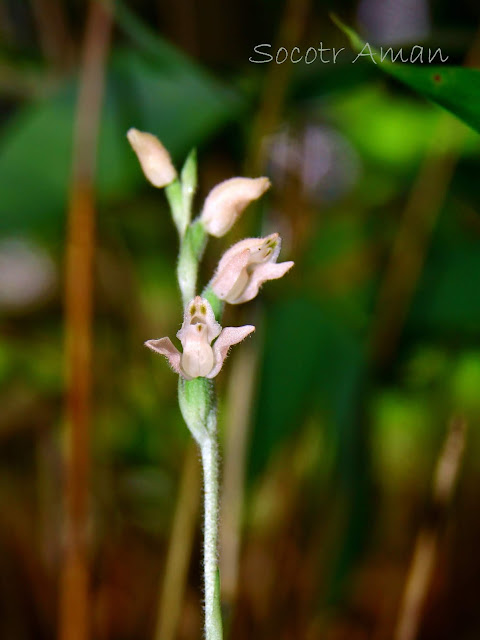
{"x": 276, "y": 83}
{"x": 398, "y": 288}
{"x": 24, "y": 83}
{"x": 53, "y": 32}
{"x": 180, "y": 23}
{"x": 7, "y": 30}
{"x": 244, "y": 364}
{"x": 180, "y": 547}
{"x": 411, "y": 243}
{"x": 426, "y": 546}
{"x": 241, "y": 390}
{"x": 74, "y": 614}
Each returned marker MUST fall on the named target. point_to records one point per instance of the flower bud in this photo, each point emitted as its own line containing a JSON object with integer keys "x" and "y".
{"x": 153, "y": 157}
{"x": 227, "y": 200}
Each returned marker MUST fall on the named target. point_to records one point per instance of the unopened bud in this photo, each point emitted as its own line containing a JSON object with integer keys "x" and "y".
{"x": 153, "y": 157}
{"x": 227, "y": 200}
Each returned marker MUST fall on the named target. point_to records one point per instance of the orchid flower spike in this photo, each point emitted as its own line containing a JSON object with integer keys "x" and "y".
{"x": 246, "y": 266}
{"x": 153, "y": 157}
{"x": 199, "y": 330}
{"x": 227, "y": 200}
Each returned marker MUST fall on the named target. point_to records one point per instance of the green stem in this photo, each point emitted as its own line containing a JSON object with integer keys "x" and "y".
{"x": 196, "y": 397}
{"x": 191, "y": 250}
{"x": 215, "y": 302}
{"x": 213, "y": 618}
{"x": 198, "y": 406}
{"x": 174, "y": 194}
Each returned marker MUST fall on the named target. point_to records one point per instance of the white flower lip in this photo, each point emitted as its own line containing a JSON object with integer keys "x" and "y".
{"x": 153, "y": 157}
{"x": 227, "y": 200}
{"x": 200, "y": 358}
{"x": 246, "y": 266}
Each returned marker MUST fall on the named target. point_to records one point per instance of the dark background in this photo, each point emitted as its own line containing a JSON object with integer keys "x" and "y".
{"x": 364, "y": 353}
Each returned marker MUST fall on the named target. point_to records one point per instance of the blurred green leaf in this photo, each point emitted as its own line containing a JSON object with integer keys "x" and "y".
{"x": 447, "y": 300}
{"x": 402, "y": 430}
{"x": 309, "y": 358}
{"x": 174, "y": 99}
{"x": 456, "y": 89}
{"x": 35, "y": 156}
{"x": 466, "y": 382}
{"x": 406, "y": 127}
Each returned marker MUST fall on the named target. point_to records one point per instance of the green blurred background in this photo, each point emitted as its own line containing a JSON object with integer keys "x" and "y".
{"x": 363, "y": 354}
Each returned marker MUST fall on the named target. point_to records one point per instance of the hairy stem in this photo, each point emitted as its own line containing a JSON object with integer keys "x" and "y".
{"x": 213, "y": 620}
{"x": 192, "y": 246}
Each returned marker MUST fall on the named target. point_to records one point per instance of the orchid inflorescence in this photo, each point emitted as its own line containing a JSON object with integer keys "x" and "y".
{"x": 239, "y": 275}
{"x": 205, "y": 344}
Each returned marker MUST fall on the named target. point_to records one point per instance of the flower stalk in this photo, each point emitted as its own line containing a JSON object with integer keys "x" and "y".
{"x": 205, "y": 344}
{"x": 213, "y": 616}
{"x": 198, "y": 406}
{"x": 191, "y": 251}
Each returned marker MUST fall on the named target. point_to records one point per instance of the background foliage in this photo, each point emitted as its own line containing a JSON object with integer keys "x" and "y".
{"x": 363, "y": 353}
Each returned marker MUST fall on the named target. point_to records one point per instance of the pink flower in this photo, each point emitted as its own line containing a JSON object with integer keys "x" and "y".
{"x": 246, "y": 266}
{"x": 199, "y": 329}
{"x": 153, "y": 157}
{"x": 227, "y": 200}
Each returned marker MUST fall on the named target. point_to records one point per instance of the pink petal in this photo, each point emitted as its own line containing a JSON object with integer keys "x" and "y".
{"x": 229, "y": 272}
{"x": 197, "y": 358}
{"x": 227, "y": 200}
{"x": 166, "y": 348}
{"x": 228, "y": 337}
{"x": 248, "y": 243}
{"x": 262, "y": 273}
{"x": 237, "y": 248}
